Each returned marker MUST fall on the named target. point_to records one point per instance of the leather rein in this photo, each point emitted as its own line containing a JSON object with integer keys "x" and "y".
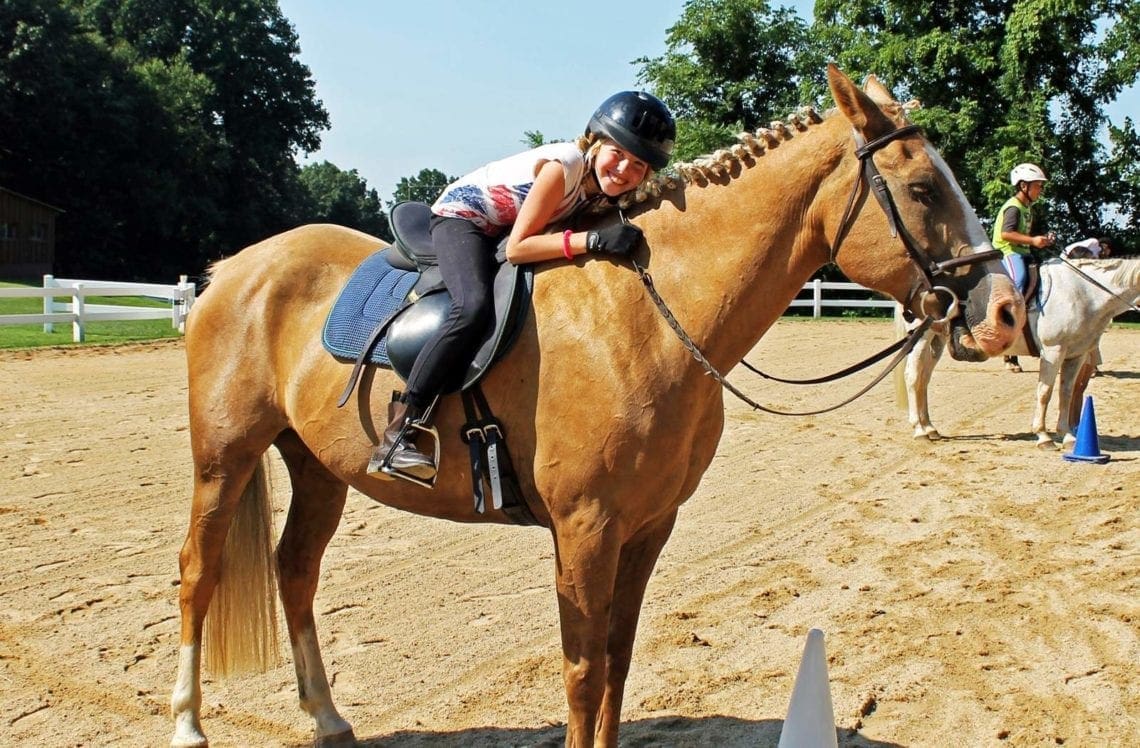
{"x": 1114, "y": 294}
{"x": 869, "y": 174}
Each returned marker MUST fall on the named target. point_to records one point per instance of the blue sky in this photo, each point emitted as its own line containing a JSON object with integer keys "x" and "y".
{"x": 452, "y": 85}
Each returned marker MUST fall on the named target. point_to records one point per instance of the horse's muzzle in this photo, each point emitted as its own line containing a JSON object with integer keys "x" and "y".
{"x": 962, "y": 345}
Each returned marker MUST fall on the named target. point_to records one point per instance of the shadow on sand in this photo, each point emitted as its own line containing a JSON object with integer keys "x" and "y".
{"x": 1114, "y": 443}
{"x": 676, "y": 732}
{"x": 1118, "y": 374}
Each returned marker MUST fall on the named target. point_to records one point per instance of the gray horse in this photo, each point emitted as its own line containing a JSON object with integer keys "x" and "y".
{"x": 1076, "y": 301}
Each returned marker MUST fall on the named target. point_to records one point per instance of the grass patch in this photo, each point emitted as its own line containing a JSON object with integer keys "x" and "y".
{"x": 96, "y": 333}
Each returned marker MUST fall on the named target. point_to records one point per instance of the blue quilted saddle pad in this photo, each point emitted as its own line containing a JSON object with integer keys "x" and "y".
{"x": 373, "y": 293}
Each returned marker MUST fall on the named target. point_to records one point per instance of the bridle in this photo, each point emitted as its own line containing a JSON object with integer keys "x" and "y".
{"x": 930, "y": 269}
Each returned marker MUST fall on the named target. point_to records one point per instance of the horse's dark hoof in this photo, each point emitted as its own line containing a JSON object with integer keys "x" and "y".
{"x": 340, "y": 740}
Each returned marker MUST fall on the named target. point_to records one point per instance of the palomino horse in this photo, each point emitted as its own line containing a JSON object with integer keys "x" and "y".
{"x": 1076, "y": 301}
{"x": 611, "y": 421}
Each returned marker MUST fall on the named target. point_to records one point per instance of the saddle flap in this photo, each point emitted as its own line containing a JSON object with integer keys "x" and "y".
{"x": 415, "y": 325}
{"x": 411, "y": 225}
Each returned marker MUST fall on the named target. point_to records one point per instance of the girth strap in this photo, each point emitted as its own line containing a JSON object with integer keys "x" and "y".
{"x": 490, "y": 459}
{"x": 472, "y": 435}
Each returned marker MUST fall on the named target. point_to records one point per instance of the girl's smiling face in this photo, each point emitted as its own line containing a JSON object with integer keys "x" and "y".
{"x": 617, "y": 170}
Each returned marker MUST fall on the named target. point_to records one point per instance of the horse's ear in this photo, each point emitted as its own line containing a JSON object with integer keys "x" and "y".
{"x": 860, "y": 109}
{"x": 877, "y": 91}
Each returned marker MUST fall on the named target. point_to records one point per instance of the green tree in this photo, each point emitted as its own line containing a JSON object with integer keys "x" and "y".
{"x": 259, "y": 104}
{"x": 534, "y": 138}
{"x": 731, "y": 65}
{"x": 424, "y": 187}
{"x": 1005, "y": 81}
{"x": 166, "y": 129}
{"x": 70, "y": 117}
{"x": 344, "y": 198}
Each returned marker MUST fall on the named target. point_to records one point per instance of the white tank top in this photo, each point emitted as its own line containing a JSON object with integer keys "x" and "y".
{"x": 490, "y": 197}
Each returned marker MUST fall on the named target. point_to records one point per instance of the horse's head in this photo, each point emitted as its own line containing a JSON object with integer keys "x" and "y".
{"x": 908, "y": 231}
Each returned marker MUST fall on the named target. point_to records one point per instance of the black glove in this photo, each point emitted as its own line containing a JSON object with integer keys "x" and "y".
{"x": 619, "y": 239}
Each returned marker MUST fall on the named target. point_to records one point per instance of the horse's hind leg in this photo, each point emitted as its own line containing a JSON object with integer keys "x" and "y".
{"x": 314, "y": 513}
{"x": 225, "y": 477}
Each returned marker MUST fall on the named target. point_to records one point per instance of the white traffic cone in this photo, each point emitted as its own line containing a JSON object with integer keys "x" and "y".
{"x": 811, "y": 719}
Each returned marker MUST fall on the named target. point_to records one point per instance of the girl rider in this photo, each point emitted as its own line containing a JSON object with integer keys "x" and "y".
{"x": 629, "y": 136}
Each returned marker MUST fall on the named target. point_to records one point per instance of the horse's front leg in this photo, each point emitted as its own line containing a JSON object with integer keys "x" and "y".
{"x": 1050, "y": 360}
{"x": 635, "y": 566}
{"x": 314, "y": 513}
{"x": 1075, "y": 373}
{"x": 587, "y": 546}
{"x": 919, "y": 369}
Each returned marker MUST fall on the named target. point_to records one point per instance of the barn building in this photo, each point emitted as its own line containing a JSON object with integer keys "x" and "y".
{"x": 27, "y": 236}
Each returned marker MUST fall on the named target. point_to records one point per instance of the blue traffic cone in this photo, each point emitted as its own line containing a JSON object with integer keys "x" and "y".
{"x": 1087, "y": 448}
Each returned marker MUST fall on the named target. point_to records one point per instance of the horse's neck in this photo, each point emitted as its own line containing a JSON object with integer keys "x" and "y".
{"x": 1127, "y": 277}
{"x": 1070, "y": 290}
{"x": 729, "y": 256}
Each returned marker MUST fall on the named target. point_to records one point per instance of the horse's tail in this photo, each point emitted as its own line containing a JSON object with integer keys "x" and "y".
{"x": 241, "y": 625}
{"x": 898, "y": 376}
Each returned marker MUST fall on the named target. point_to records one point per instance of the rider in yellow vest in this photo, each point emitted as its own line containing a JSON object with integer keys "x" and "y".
{"x": 1013, "y": 230}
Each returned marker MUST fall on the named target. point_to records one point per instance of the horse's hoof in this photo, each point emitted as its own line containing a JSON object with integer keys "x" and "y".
{"x": 1044, "y": 442}
{"x": 339, "y": 740}
{"x": 188, "y": 733}
{"x": 189, "y": 741}
{"x": 1069, "y": 442}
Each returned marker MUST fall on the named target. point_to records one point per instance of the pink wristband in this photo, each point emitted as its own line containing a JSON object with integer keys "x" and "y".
{"x": 566, "y": 244}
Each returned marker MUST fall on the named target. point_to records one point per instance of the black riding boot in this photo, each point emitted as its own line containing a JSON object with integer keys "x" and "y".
{"x": 406, "y": 458}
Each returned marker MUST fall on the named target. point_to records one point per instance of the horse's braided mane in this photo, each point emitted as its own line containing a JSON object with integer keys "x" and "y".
{"x": 749, "y": 146}
{"x": 719, "y": 163}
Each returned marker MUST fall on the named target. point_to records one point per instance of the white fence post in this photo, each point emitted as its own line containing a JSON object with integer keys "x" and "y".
{"x": 183, "y": 303}
{"x": 817, "y": 298}
{"x": 49, "y": 302}
{"x": 77, "y": 303}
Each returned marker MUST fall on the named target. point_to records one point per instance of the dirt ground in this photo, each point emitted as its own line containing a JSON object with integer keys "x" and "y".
{"x": 975, "y": 591}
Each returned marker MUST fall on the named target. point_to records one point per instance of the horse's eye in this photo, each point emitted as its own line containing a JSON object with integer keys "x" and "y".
{"x": 924, "y": 193}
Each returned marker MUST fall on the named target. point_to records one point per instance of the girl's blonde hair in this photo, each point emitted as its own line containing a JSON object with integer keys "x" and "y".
{"x": 590, "y": 144}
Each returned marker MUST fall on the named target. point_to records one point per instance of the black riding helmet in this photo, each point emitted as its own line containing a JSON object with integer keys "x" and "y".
{"x": 638, "y": 122}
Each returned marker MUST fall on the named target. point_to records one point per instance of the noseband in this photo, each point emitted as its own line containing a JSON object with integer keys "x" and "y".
{"x": 929, "y": 268}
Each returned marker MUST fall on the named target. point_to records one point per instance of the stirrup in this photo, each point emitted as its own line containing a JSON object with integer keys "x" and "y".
{"x": 385, "y": 466}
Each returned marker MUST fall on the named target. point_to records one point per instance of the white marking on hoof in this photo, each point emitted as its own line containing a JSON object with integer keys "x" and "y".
{"x": 188, "y": 735}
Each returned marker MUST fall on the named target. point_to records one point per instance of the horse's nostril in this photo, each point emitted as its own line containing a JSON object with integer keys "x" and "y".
{"x": 1006, "y": 315}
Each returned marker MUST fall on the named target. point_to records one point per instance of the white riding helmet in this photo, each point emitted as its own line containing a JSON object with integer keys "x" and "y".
{"x": 1027, "y": 173}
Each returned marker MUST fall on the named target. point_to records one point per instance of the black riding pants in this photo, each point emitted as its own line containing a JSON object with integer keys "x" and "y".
{"x": 466, "y": 258}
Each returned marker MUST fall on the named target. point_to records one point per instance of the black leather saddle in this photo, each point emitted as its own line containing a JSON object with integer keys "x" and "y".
{"x": 423, "y": 310}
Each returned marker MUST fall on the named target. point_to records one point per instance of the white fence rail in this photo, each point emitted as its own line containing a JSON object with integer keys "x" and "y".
{"x": 817, "y": 301}
{"x": 78, "y": 313}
